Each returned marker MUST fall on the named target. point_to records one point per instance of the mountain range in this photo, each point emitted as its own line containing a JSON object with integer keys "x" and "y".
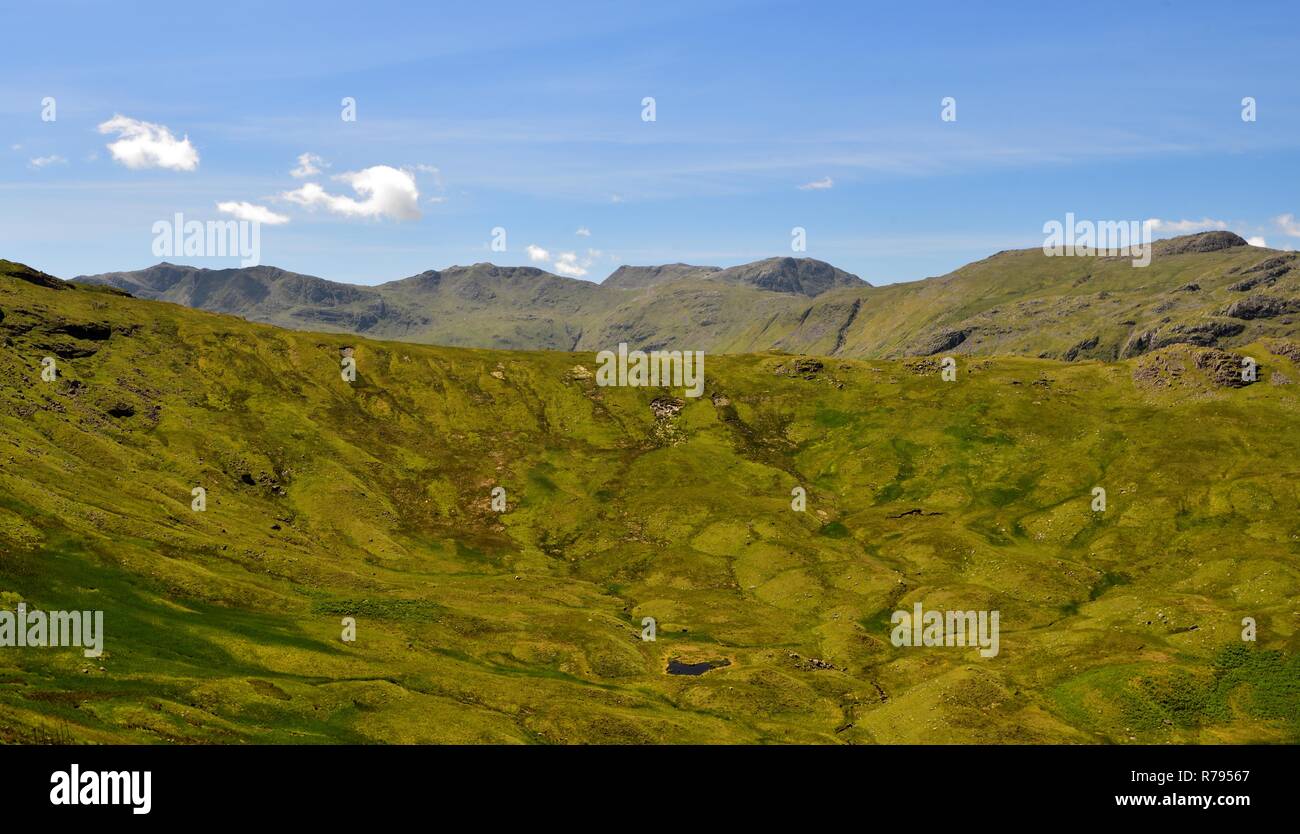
{"x": 1207, "y": 289}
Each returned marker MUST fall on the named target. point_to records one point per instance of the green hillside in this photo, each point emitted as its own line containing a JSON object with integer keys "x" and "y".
{"x": 372, "y": 499}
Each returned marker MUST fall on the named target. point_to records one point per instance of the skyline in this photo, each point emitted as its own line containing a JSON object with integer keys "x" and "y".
{"x": 766, "y": 118}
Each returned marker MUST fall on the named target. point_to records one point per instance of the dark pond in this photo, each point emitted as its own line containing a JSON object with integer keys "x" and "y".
{"x": 676, "y": 667}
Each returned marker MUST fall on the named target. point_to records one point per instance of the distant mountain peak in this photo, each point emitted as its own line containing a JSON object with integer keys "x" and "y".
{"x": 801, "y": 276}
{"x": 638, "y": 277}
{"x": 1199, "y": 242}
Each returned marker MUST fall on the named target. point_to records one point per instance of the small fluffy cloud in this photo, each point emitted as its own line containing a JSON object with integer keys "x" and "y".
{"x": 252, "y": 213}
{"x": 309, "y": 165}
{"x": 386, "y": 192}
{"x": 46, "y": 161}
{"x": 568, "y": 263}
{"x": 564, "y": 263}
{"x": 1287, "y": 223}
{"x": 818, "y": 185}
{"x": 583, "y": 231}
{"x": 1257, "y": 241}
{"x": 146, "y": 145}
{"x": 1185, "y": 226}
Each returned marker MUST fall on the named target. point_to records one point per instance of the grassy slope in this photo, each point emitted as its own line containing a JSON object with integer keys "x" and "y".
{"x": 1025, "y": 303}
{"x": 327, "y": 499}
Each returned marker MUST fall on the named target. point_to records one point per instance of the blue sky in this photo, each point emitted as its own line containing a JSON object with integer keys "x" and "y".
{"x": 531, "y": 115}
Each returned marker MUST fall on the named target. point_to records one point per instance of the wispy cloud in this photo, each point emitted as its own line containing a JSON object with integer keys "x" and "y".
{"x": 1185, "y": 226}
{"x": 309, "y": 165}
{"x": 252, "y": 213}
{"x": 45, "y": 161}
{"x": 1288, "y": 225}
{"x": 818, "y": 185}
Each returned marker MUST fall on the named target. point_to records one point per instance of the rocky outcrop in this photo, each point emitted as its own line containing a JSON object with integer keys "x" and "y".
{"x": 944, "y": 340}
{"x": 1258, "y": 307}
{"x": 1203, "y": 242}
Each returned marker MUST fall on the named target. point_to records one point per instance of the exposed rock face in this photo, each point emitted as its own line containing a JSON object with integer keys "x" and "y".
{"x": 1223, "y": 368}
{"x": 1253, "y": 281}
{"x": 1264, "y": 274}
{"x": 1290, "y": 350}
{"x": 665, "y": 407}
{"x": 944, "y": 340}
{"x": 1203, "y": 242}
{"x": 1204, "y": 333}
{"x": 1258, "y": 307}
{"x": 1138, "y": 344}
{"x": 804, "y": 368}
{"x": 1178, "y": 367}
{"x": 91, "y": 331}
{"x": 1085, "y": 345}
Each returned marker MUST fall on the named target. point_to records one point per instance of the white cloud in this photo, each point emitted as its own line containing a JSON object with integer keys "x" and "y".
{"x": 387, "y": 192}
{"x": 1184, "y": 226}
{"x": 309, "y": 165}
{"x": 583, "y": 231}
{"x": 818, "y": 185}
{"x": 252, "y": 213}
{"x": 564, "y": 263}
{"x": 1257, "y": 241}
{"x": 146, "y": 145}
{"x": 44, "y": 161}
{"x": 616, "y": 198}
{"x": 1287, "y": 223}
